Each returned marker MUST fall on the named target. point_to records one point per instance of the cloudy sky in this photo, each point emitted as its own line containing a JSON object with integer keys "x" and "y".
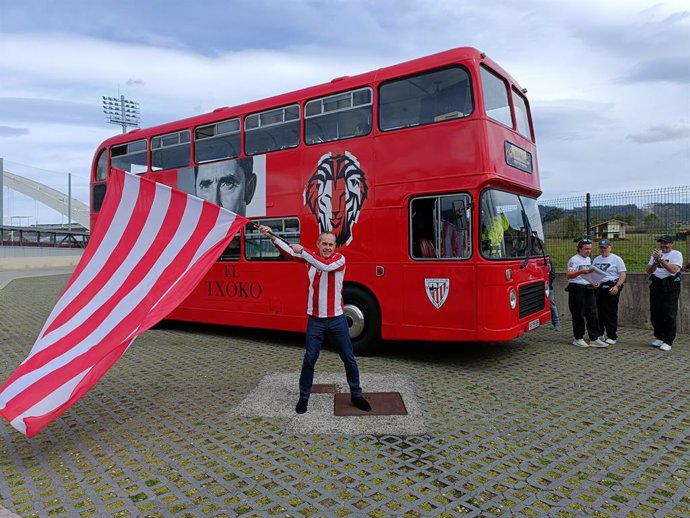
{"x": 608, "y": 80}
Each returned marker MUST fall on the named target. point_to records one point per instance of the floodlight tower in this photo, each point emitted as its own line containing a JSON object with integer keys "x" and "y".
{"x": 121, "y": 111}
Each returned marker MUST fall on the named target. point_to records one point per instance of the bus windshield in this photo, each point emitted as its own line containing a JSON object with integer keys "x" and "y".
{"x": 510, "y": 226}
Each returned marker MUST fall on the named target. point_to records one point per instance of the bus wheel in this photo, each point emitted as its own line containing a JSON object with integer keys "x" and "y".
{"x": 363, "y": 318}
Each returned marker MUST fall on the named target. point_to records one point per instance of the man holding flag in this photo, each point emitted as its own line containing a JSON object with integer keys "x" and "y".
{"x": 326, "y": 271}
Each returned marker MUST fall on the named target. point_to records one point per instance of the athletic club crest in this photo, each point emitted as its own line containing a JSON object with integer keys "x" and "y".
{"x": 335, "y": 194}
{"x": 437, "y": 291}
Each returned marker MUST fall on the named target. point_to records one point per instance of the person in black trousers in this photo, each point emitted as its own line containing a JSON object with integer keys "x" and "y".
{"x": 664, "y": 291}
{"x": 581, "y": 301}
{"x": 609, "y": 290}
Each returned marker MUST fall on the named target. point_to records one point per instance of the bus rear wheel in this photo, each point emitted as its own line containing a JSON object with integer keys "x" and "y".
{"x": 363, "y": 318}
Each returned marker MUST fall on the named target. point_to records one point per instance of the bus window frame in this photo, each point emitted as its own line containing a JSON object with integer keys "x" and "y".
{"x": 527, "y": 112}
{"x": 127, "y": 145}
{"x": 354, "y": 108}
{"x": 253, "y": 234}
{"x": 467, "y": 245}
{"x": 533, "y": 252}
{"x": 508, "y": 91}
{"x": 219, "y": 136}
{"x": 261, "y": 126}
{"x": 232, "y": 252}
{"x": 163, "y": 146}
{"x": 101, "y": 173}
{"x": 440, "y": 118}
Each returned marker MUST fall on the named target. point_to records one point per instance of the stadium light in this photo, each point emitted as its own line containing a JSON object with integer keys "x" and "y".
{"x": 121, "y": 111}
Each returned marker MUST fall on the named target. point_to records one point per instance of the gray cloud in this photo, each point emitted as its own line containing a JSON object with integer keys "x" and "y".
{"x": 661, "y": 133}
{"x": 9, "y": 131}
{"x": 571, "y": 119}
{"x": 675, "y": 70}
{"x": 641, "y": 34}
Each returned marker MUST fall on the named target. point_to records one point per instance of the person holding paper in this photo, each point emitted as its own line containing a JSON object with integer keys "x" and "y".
{"x": 581, "y": 300}
{"x": 608, "y": 291}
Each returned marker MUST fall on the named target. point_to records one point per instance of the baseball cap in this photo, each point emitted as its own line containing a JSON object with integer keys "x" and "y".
{"x": 604, "y": 242}
{"x": 666, "y": 238}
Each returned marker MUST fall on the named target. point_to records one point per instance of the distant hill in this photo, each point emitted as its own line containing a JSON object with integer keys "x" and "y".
{"x": 674, "y": 214}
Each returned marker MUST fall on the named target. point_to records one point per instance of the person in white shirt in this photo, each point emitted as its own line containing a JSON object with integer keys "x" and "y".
{"x": 664, "y": 291}
{"x": 608, "y": 291}
{"x": 581, "y": 300}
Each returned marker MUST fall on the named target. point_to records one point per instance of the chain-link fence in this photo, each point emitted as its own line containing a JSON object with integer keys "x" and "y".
{"x": 631, "y": 220}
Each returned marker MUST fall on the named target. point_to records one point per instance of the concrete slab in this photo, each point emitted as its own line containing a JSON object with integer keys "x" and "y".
{"x": 329, "y": 388}
{"x": 276, "y": 394}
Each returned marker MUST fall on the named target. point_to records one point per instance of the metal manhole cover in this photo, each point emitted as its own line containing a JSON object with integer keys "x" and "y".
{"x": 382, "y": 403}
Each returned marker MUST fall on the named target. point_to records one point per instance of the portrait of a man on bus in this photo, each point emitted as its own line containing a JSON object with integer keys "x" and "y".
{"x": 230, "y": 184}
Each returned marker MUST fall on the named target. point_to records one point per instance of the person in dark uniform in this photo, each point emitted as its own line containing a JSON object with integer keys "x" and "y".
{"x": 664, "y": 291}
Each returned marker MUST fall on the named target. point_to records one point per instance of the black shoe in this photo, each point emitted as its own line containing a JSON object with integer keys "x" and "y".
{"x": 301, "y": 406}
{"x": 361, "y": 403}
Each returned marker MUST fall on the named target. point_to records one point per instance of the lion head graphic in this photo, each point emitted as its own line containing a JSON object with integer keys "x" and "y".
{"x": 335, "y": 194}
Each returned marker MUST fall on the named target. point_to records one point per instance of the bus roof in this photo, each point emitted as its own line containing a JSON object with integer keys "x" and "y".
{"x": 343, "y": 83}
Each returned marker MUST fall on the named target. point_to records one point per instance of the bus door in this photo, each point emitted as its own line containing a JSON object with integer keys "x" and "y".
{"x": 439, "y": 278}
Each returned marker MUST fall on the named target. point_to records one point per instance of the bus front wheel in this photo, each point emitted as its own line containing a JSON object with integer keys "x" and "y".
{"x": 363, "y": 318}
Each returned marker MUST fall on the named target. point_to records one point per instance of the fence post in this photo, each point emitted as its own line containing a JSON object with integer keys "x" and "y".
{"x": 588, "y": 216}
{"x": 69, "y": 202}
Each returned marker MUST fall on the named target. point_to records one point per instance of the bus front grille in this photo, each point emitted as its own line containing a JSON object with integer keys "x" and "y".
{"x": 531, "y": 298}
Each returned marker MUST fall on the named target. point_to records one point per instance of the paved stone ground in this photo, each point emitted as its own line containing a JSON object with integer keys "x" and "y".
{"x": 533, "y": 427}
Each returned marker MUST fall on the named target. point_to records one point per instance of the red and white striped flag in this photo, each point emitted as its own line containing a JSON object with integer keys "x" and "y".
{"x": 152, "y": 245}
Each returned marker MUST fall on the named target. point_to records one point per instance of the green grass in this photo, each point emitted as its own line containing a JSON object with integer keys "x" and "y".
{"x": 635, "y": 250}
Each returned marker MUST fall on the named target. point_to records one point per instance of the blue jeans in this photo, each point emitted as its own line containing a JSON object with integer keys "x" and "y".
{"x": 336, "y": 329}
{"x": 555, "y": 317}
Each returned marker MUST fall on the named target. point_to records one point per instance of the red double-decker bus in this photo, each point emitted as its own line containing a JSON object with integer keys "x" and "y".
{"x": 426, "y": 172}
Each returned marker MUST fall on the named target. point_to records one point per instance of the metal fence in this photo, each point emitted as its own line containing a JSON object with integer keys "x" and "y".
{"x": 631, "y": 220}
{"x": 41, "y": 237}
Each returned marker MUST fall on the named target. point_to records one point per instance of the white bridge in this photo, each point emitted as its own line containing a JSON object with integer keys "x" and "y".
{"x": 53, "y": 198}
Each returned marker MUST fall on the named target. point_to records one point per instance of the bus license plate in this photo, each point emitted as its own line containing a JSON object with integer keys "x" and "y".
{"x": 533, "y": 324}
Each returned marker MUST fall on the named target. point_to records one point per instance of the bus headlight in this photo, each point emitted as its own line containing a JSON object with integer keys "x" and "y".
{"x": 546, "y": 290}
{"x": 513, "y": 298}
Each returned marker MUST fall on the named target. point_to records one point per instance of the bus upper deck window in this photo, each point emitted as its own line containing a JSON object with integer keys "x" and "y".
{"x": 170, "y": 151}
{"x": 338, "y": 117}
{"x": 425, "y": 99}
{"x": 131, "y": 157}
{"x": 271, "y": 130}
{"x": 522, "y": 114}
{"x": 496, "y": 100}
{"x": 102, "y": 166}
{"x": 217, "y": 141}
